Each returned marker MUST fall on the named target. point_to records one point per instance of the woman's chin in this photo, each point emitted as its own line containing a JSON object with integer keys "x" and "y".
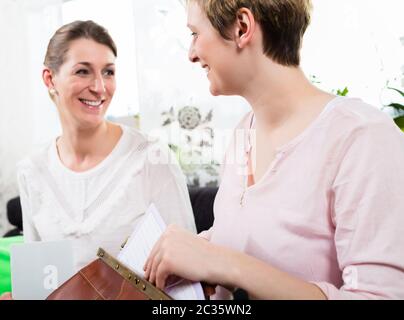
{"x": 91, "y": 122}
{"x": 214, "y": 91}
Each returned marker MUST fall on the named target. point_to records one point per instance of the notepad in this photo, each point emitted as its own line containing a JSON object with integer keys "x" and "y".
{"x": 139, "y": 246}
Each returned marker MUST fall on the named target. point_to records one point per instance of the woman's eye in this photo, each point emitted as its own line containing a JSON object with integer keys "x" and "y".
{"x": 82, "y": 71}
{"x": 109, "y": 72}
{"x": 193, "y": 34}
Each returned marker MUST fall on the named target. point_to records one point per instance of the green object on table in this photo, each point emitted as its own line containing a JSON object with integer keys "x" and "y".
{"x": 5, "y": 274}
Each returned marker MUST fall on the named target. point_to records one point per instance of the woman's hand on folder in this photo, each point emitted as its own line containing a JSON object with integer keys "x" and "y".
{"x": 181, "y": 253}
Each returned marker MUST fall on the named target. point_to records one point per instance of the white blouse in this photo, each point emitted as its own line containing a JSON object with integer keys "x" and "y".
{"x": 100, "y": 207}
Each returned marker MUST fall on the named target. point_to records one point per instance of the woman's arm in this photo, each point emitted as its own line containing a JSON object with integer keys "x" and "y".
{"x": 167, "y": 189}
{"x": 263, "y": 281}
{"x": 368, "y": 214}
{"x": 188, "y": 256}
{"x": 29, "y": 230}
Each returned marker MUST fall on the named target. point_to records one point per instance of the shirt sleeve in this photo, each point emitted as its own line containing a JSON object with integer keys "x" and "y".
{"x": 29, "y": 230}
{"x": 168, "y": 189}
{"x": 368, "y": 215}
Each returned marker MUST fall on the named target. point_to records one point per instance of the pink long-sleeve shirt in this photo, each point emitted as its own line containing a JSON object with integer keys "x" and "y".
{"x": 330, "y": 208}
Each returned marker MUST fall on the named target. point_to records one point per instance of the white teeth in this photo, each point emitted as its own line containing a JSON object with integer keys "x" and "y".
{"x": 92, "y": 103}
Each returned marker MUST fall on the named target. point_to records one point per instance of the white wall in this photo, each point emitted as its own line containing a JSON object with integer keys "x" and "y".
{"x": 356, "y": 43}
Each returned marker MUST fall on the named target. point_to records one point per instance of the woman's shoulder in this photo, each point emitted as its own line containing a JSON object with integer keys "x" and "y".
{"x": 138, "y": 138}
{"x": 355, "y": 122}
{"x": 355, "y": 113}
{"x": 28, "y": 164}
{"x": 152, "y": 147}
{"x": 158, "y": 160}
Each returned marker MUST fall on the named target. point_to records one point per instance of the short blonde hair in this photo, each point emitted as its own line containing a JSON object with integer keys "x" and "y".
{"x": 283, "y": 23}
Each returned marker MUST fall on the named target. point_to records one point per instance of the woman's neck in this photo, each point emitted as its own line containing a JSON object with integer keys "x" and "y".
{"x": 81, "y": 149}
{"x": 279, "y": 94}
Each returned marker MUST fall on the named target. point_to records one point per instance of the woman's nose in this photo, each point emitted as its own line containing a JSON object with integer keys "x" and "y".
{"x": 98, "y": 85}
{"x": 193, "y": 57}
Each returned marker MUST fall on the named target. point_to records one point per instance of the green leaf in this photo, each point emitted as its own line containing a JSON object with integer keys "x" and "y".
{"x": 396, "y": 106}
{"x": 400, "y": 92}
{"x": 343, "y": 92}
{"x": 400, "y": 122}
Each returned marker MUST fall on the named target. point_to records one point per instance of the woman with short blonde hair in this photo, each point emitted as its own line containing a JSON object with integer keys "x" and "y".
{"x": 315, "y": 209}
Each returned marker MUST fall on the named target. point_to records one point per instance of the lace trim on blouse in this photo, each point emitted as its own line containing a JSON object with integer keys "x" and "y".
{"x": 90, "y": 220}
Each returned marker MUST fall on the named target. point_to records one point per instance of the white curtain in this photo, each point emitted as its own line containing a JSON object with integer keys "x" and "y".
{"x": 27, "y": 117}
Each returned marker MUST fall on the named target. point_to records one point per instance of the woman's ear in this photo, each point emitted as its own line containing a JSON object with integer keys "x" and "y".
{"x": 47, "y": 76}
{"x": 245, "y": 27}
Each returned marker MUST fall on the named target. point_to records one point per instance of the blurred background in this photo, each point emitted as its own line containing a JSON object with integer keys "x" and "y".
{"x": 353, "y": 47}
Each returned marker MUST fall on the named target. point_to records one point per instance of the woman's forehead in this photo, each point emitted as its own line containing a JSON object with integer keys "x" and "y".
{"x": 89, "y": 50}
{"x": 195, "y": 15}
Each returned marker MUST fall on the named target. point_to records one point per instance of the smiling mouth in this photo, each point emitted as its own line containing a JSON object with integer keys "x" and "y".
{"x": 92, "y": 103}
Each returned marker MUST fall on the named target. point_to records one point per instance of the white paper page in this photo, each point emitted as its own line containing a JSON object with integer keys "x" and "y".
{"x": 139, "y": 246}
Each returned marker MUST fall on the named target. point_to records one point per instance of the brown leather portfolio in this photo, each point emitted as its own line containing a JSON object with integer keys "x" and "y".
{"x": 107, "y": 279}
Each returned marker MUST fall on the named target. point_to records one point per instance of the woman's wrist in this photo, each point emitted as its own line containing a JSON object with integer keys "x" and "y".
{"x": 225, "y": 270}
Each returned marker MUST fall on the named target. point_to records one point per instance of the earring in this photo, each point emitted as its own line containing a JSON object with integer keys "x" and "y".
{"x": 52, "y": 91}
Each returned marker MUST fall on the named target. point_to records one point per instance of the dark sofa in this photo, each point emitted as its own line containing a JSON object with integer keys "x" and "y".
{"x": 14, "y": 216}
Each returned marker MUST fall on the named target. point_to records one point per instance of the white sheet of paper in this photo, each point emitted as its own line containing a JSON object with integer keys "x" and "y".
{"x": 139, "y": 246}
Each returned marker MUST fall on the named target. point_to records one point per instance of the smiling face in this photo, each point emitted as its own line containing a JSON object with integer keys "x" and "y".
{"x": 219, "y": 57}
{"x": 85, "y": 83}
